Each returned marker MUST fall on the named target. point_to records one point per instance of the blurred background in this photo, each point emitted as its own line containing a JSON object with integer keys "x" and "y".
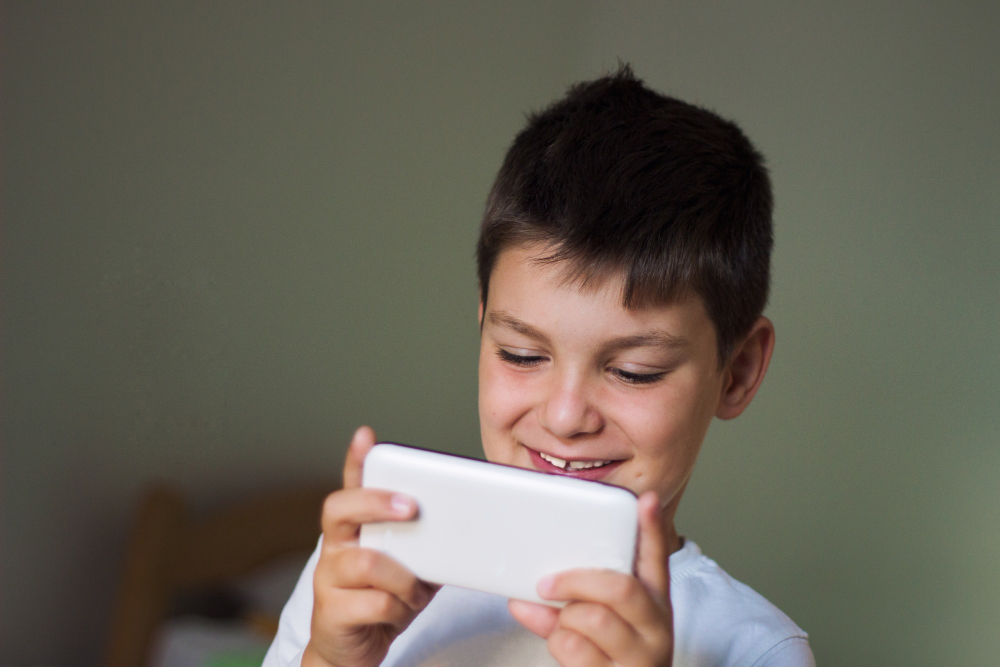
{"x": 234, "y": 231}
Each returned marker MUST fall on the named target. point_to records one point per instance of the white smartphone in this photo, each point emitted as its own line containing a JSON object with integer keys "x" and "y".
{"x": 497, "y": 528}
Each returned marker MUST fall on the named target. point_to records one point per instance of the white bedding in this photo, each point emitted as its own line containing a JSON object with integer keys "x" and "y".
{"x": 192, "y": 641}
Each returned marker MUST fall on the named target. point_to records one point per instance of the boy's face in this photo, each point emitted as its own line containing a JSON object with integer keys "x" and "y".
{"x": 572, "y": 383}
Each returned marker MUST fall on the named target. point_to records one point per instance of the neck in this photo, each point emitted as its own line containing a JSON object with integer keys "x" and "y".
{"x": 673, "y": 541}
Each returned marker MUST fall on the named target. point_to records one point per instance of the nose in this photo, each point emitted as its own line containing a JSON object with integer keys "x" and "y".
{"x": 568, "y": 409}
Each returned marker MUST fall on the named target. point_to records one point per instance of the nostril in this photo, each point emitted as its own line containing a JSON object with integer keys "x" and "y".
{"x": 567, "y": 423}
{"x": 568, "y": 412}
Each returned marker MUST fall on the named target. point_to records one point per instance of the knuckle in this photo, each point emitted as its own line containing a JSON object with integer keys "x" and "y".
{"x": 327, "y": 607}
{"x": 330, "y": 508}
{"x": 323, "y": 575}
{"x": 329, "y": 554}
{"x": 382, "y": 605}
{"x": 365, "y": 562}
{"x": 568, "y": 643}
{"x": 330, "y": 571}
{"x": 597, "y": 618}
{"x": 331, "y": 566}
{"x": 621, "y": 589}
{"x": 321, "y": 601}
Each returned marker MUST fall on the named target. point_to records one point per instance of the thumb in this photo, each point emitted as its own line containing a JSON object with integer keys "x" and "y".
{"x": 361, "y": 444}
{"x": 539, "y": 618}
{"x": 653, "y": 558}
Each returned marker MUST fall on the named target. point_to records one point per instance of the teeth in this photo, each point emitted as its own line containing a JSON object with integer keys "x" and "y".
{"x": 572, "y": 465}
{"x": 559, "y": 463}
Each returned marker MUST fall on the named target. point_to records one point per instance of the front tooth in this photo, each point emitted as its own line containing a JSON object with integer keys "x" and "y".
{"x": 554, "y": 461}
{"x": 572, "y": 465}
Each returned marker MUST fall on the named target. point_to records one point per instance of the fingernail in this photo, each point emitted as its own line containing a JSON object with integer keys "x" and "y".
{"x": 402, "y": 505}
{"x": 545, "y": 585}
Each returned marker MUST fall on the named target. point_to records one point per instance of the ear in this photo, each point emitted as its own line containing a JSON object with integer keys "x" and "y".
{"x": 745, "y": 370}
{"x": 480, "y": 316}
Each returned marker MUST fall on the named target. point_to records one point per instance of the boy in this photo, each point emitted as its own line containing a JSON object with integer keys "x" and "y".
{"x": 623, "y": 268}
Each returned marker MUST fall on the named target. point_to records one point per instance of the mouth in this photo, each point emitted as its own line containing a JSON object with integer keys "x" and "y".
{"x": 592, "y": 469}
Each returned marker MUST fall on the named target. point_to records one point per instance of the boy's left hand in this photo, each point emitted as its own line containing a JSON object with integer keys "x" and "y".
{"x": 611, "y": 618}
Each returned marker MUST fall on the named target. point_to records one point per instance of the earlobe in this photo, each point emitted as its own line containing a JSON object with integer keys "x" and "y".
{"x": 746, "y": 369}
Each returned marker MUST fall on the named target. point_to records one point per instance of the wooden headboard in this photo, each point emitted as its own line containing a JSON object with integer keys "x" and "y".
{"x": 169, "y": 551}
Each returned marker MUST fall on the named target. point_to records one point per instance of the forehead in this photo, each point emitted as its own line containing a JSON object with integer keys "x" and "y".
{"x": 529, "y": 267}
{"x": 551, "y": 295}
{"x": 532, "y": 263}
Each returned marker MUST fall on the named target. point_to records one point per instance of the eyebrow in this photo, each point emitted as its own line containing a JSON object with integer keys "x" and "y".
{"x": 653, "y": 338}
{"x": 507, "y": 321}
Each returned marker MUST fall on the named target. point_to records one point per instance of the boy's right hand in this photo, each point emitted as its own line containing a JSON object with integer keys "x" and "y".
{"x": 362, "y": 598}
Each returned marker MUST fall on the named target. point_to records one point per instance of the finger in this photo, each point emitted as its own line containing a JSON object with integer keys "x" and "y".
{"x": 624, "y": 594}
{"x": 571, "y": 649}
{"x": 539, "y": 618}
{"x": 345, "y": 511}
{"x": 607, "y": 630}
{"x": 359, "y": 607}
{"x": 652, "y": 563}
{"x": 367, "y": 568}
{"x": 361, "y": 444}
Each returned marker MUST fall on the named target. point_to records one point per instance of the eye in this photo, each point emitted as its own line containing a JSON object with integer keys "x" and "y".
{"x": 636, "y": 378}
{"x": 523, "y": 360}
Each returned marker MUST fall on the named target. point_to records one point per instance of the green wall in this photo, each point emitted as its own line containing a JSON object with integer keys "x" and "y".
{"x": 234, "y": 231}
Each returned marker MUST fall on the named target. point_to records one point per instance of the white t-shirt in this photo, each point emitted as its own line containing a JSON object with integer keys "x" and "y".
{"x": 718, "y": 622}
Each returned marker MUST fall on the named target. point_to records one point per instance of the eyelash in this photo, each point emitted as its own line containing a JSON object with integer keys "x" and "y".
{"x": 637, "y": 378}
{"x": 519, "y": 359}
{"x": 527, "y": 361}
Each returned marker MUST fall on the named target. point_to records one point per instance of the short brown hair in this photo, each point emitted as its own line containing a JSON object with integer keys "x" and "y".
{"x": 617, "y": 179}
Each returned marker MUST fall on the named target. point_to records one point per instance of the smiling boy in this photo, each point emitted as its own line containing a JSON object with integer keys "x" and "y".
{"x": 623, "y": 268}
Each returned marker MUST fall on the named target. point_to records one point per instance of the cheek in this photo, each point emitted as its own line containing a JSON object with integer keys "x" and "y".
{"x": 653, "y": 425}
{"x": 666, "y": 428}
{"x": 499, "y": 404}
{"x": 502, "y": 403}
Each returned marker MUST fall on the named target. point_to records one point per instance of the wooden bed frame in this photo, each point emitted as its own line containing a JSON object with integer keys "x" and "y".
{"x": 170, "y": 552}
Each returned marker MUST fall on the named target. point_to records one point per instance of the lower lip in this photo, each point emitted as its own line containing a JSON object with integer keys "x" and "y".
{"x": 593, "y": 474}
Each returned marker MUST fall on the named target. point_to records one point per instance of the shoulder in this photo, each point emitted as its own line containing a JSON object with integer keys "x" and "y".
{"x": 721, "y": 621}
